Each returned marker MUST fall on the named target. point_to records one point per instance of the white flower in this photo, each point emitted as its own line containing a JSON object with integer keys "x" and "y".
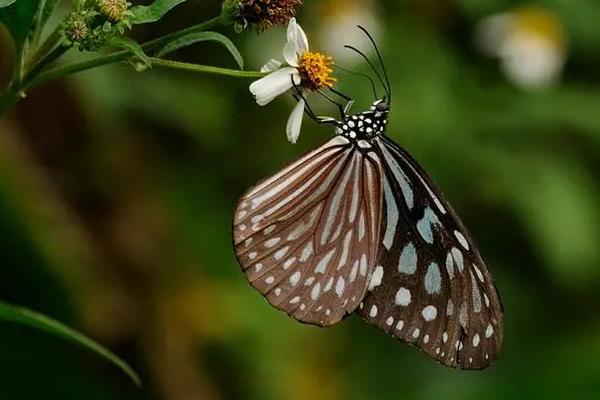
{"x": 302, "y": 68}
{"x": 530, "y": 43}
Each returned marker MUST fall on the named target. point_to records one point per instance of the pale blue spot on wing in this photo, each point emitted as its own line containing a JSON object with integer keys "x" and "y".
{"x": 433, "y": 279}
{"x": 407, "y": 264}
{"x": 425, "y": 225}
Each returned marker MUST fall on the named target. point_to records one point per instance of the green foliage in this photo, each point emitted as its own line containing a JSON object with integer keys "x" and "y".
{"x": 18, "y": 18}
{"x": 197, "y": 37}
{"x": 153, "y": 12}
{"x": 130, "y": 45}
{"x": 6, "y": 3}
{"x": 45, "y": 9}
{"x": 41, "y": 322}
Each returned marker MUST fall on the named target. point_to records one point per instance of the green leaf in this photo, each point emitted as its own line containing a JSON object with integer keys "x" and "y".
{"x": 196, "y": 37}
{"x": 6, "y": 3}
{"x": 18, "y": 18}
{"x": 153, "y": 12}
{"x": 32, "y": 319}
{"x": 132, "y": 46}
{"x": 46, "y": 8}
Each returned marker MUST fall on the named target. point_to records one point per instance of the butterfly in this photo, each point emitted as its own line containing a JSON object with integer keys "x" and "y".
{"x": 357, "y": 226}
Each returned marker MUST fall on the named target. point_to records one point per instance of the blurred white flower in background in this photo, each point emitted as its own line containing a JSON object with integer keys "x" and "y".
{"x": 530, "y": 42}
{"x": 341, "y": 18}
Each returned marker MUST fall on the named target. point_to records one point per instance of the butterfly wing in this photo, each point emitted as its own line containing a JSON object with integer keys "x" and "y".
{"x": 308, "y": 236}
{"x": 430, "y": 287}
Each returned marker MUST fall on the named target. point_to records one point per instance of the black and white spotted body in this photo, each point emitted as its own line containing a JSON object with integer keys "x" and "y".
{"x": 365, "y": 125}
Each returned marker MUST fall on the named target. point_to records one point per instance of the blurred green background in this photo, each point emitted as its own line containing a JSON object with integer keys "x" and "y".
{"x": 117, "y": 190}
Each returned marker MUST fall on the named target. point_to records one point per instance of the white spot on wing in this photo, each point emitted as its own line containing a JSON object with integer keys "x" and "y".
{"x": 476, "y": 294}
{"x": 450, "y": 266}
{"x": 272, "y": 242}
{"x": 340, "y": 286}
{"x": 373, "y": 311}
{"x": 328, "y": 285}
{"x": 461, "y": 239}
{"x": 322, "y": 265}
{"x": 433, "y": 279}
{"x": 316, "y": 291}
{"x": 426, "y": 224}
{"x": 407, "y": 263}
{"x": 288, "y": 263}
{"x": 281, "y": 253}
{"x": 400, "y": 325}
{"x": 489, "y": 331}
{"x": 376, "y": 277}
{"x": 476, "y": 340}
{"x": 403, "y": 297}
{"x": 429, "y": 313}
{"x": 391, "y": 214}
{"x": 345, "y": 249}
{"x": 295, "y": 278}
{"x": 306, "y": 252}
{"x": 354, "y": 271}
{"x": 363, "y": 265}
{"x": 458, "y": 258}
{"x": 361, "y": 226}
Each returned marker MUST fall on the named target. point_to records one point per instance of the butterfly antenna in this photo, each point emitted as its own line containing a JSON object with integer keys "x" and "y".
{"x": 362, "y": 75}
{"x": 387, "y": 80}
{"x": 370, "y": 64}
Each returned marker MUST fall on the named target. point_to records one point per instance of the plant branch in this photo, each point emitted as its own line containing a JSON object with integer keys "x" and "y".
{"x": 123, "y": 55}
{"x": 183, "y": 66}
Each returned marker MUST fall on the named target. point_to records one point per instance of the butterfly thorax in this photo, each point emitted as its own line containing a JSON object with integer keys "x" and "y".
{"x": 365, "y": 125}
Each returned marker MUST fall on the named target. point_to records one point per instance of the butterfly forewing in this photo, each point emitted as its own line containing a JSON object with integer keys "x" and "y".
{"x": 308, "y": 237}
{"x": 430, "y": 287}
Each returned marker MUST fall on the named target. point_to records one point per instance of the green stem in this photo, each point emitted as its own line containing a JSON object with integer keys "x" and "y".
{"x": 61, "y": 71}
{"x": 183, "y": 66}
{"x": 50, "y": 44}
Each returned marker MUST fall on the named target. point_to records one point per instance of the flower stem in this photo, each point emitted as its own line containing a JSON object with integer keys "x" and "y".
{"x": 183, "y": 66}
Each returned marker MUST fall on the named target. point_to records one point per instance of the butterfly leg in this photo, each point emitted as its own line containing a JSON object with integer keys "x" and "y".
{"x": 350, "y": 101}
{"x": 309, "y": 111}
{"x": 336, "y": 103}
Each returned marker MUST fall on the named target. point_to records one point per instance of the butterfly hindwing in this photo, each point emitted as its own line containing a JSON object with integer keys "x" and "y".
{"x": 307, "y": 238}
{"x": 430, "y": 286}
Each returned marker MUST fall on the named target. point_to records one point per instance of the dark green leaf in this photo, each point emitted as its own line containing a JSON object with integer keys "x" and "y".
{"x": 41, "y": 322}
{"x": 192, "y": 38}
{"x": 46, "y": 8}
{"x": 132, "y": 46}
{"x": 6, "y": 3}
{"x": 18, "y": 18}
{"x": 153, "y": 12}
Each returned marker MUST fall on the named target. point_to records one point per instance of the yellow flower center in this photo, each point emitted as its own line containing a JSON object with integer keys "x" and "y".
{"x": 537, "y": 21}
{"x": 315, "y": 70}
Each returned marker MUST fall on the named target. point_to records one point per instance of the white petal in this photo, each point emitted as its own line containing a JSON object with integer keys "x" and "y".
{"x": 271, "y": 65}
{"x": 274, "y": 84}
{"x": 295, "y": 122}
{"x": 297, "y": 43}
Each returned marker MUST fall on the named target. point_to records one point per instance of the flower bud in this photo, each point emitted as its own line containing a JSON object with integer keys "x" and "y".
{"x": 263, "y": 14}
{"x": 113, "y": 10}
